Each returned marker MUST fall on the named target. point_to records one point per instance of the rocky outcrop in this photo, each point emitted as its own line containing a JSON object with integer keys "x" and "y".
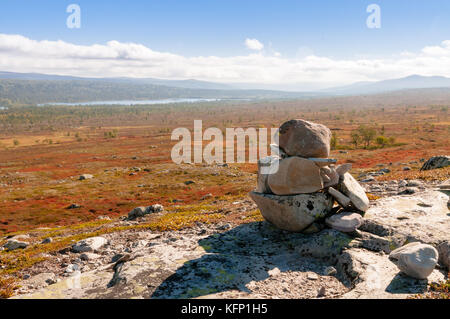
{"x": 14, "y": 244}
{"x": 372, "y": 276}
{"x": 436, "y": 162}
{"x": 89, "y": 244}
{"x": 421, "y": 217}
{"x": 258, "y": 260}
{"x": 142, "y": 211}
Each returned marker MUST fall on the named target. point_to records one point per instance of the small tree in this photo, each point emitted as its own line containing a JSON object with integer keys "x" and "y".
{"x": 356, "y": 138}
{"x": 367, "y": 134}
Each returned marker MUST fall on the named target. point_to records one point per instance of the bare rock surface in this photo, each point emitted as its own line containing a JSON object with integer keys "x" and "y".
{"x": 40, "y": 281}
{"x": 142, "y": 211}
{"x": 373, "y": 276}
{"x": 237, "y": 262}
{"x": 258, "y": 260}
{"x": 422, "y": 217}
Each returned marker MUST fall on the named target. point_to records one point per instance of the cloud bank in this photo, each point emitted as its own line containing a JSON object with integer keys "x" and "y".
{"x": 117, "y": 59}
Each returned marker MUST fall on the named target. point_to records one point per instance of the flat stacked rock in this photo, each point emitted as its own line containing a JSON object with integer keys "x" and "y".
{"x": 297, "y": 188}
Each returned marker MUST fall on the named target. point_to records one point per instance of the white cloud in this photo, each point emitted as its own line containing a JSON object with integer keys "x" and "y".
{"x": 254, "y": 44}
{"x": 116, "y": 59}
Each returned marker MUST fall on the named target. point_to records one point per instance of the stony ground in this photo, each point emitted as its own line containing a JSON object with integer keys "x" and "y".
{"x": 254, "y": 259}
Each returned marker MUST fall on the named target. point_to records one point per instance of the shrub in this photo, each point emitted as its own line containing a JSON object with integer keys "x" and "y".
{"x": 382, "y": 140}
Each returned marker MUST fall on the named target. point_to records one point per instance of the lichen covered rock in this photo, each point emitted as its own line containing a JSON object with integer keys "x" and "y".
{"x": 295, "y": 212}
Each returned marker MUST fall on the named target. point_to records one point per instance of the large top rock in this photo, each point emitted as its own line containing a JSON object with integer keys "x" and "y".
{"x": 295, "y": 175}
{"x": 305, "y": 139}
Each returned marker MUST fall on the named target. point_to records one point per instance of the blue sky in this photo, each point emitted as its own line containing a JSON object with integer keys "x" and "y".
{"x": 219, "y": 27}
{"x": 293, "y": 29}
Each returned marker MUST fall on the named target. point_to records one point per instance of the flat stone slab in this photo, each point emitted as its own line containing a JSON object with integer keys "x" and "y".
{"x": 376, "y": 277}
{"x": 422, "y": 217}
{"x": 343, "y": 200}
{"x": 350, "y": 187}
{"x": 323, "y": 160}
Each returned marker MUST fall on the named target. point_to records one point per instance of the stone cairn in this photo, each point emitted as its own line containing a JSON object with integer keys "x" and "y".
{"x": 300, "y": 196}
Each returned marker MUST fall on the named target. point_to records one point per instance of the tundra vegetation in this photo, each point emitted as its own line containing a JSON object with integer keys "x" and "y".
{"x": 44, "y": 150}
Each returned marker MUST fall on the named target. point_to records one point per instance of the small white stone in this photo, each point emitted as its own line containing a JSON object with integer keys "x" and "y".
{"x": 346, "y": 222}
{"x": 417, "y": 260}
{"x": 274, "y": 272}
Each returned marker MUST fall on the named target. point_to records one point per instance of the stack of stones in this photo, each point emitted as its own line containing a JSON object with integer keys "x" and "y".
{"x": 308, "y": 191}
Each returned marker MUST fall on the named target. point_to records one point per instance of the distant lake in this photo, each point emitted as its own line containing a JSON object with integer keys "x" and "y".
{"x": 2, "y": 108}
{"x": 140, "y": 102}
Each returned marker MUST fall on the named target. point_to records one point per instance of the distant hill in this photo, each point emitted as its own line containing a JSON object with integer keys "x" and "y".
{"x": 35, "y": 88}
{"x": 187, "y": 84}
{"x": 31, "y": 92}
{"x": 409, "y": 82}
